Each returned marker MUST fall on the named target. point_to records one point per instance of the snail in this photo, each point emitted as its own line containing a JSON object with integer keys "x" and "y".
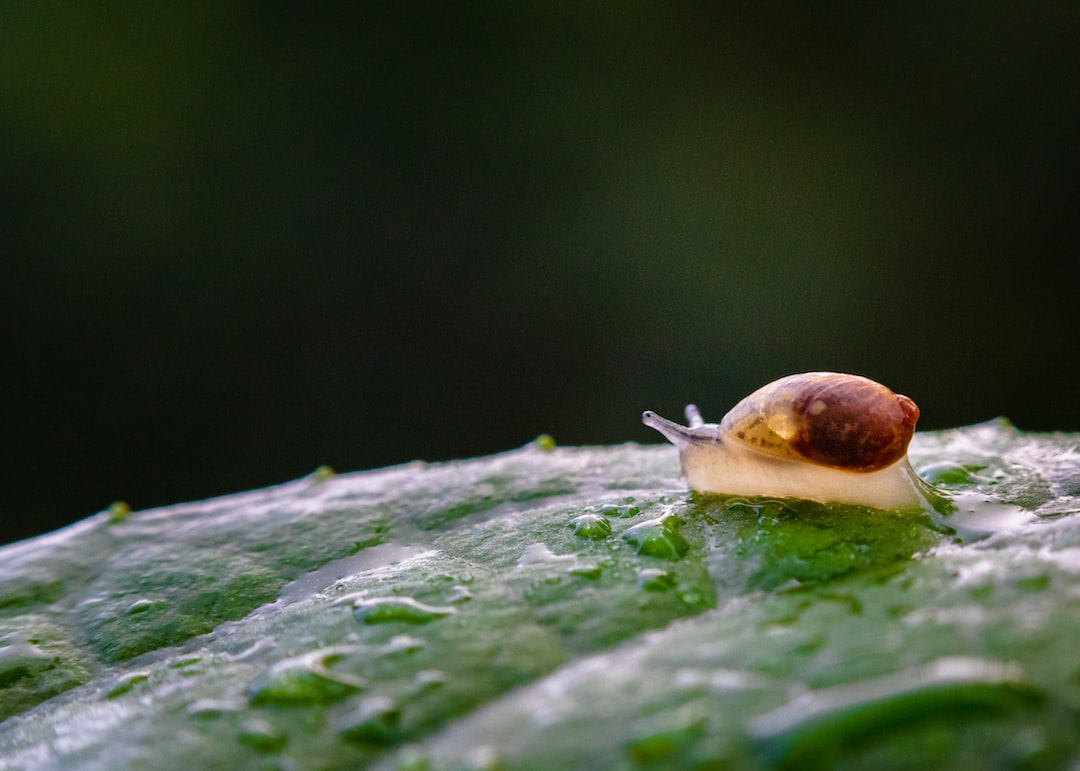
{"x": 826, "y": 436}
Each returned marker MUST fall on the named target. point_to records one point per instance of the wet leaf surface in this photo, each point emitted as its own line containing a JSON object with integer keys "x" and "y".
{"x": 571, "y": 607}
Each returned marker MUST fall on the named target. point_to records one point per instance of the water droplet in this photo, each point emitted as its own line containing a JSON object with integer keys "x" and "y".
{"x": 975, "y": 517}
{"x": 127, "y": 682}
{"x": 189, "y": 666}
{"x": 402, "y": 643}
{"x": 428, "y": 680}
{"x": 352, "y": 598}
{"x": 459, "y": 594}
{"x": 384, "y": 610}
{"x": 21, "y": 657}
{"x": 656, "y": 580}
{"x": 139, "y": 606}
{"x": 209, "y": 709}
{"x": 262, "y": 736}
{"x": 306, "y": 679}
{"x": 377, "y": 720}
{"x": 947, "y": 473}
{"x": 540, "y": 554}
{"x": 255, "y": 650}
{"x": 657, "y": 538}
{"x": 593, "y": 526}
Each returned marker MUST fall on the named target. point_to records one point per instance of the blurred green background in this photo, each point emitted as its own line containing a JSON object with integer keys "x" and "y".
{"x": 240, "y": 241}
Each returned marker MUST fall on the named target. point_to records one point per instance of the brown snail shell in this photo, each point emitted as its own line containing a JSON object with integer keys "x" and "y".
{"x": 830, "y": 418}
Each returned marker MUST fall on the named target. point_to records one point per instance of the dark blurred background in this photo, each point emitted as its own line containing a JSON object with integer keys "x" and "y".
{"x": 240, "y": 241}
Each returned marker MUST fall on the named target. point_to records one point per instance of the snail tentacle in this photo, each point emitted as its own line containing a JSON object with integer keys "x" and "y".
{"x": 681, "y": 436}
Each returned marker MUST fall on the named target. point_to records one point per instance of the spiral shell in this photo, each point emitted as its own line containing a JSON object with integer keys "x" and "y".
{"x": 832, "y": 419}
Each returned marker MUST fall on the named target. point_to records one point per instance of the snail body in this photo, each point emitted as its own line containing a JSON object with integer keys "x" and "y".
{"x": 826, "y": 436}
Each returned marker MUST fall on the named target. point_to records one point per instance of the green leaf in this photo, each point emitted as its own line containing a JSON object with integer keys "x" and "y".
{"x": 558, "y": 607}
